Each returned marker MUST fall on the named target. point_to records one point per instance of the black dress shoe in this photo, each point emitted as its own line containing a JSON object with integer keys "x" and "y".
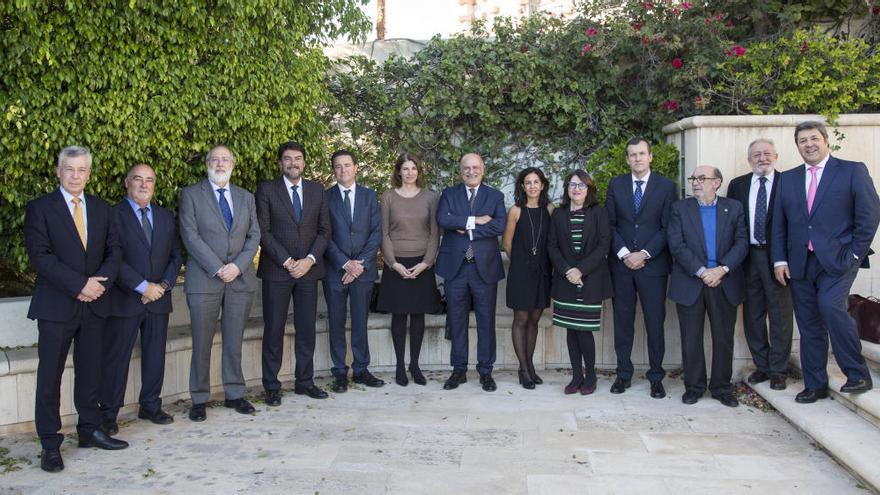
{"x": 159, "y": 417}
{"x": 691, "y": 397}
{"x": 808, "y": 395}
{"x": 488, "y": 383}
{"x": 340, "y": 384}
{"x": 456, "y": 379}
{"x": 101, "y": 440}
{"x": 110, "y": 427}
{"x": 198, "y": 413}
{"x": 777, "y": 382}
{"x": 50, "y": 460}
{"x": 726, "y": 398}
{"x": 534, "y": 376}
{"x": 657, "y": 390}
{"x": 525, "y": 380}
{"x": 757, "y": 376}
{"x": 857, "y": 386}
{"x": 417, "y": 376}
{"x": 620, "y": 385}
{"x": 273, "y": 398}
{"x": 312, "y": 391}
{"x": 367, "y": 379}
{"x": 241, "y": 406}
{"x": 400, "y": 377}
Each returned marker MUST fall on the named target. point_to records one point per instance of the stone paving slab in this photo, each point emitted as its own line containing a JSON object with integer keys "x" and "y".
{"x": 417, "y": 440}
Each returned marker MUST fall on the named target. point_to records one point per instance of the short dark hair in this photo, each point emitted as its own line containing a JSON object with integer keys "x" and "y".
{"x": 342, "y": 152}
{"x": 397, "y": 181}
{"x": 519, "y": 191}
{"x": 291, "y": 145}
{"x": 592, "y": 193}
{"x": 811, "y": 124}
{"x": 636, "y": 140}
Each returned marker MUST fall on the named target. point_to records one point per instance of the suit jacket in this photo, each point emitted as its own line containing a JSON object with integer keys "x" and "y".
{"x": 688, "y": 246}
{"x": 357, "y": 240}
{"x": 452, "y": 214}
{"x": 647, "y": 230}
{"x": 56, "y": 253}
{"x": 154, "y": 262}
{"x": 281, "y": 237}
{"x": 591, "y": 261}
{"x": 739, "y": 189}
{"x": 843, "y": 222}
{"x": 210, "y": 245}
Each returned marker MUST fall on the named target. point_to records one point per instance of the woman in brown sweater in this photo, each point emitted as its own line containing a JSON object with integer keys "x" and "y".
{"x": 410, "y": 239}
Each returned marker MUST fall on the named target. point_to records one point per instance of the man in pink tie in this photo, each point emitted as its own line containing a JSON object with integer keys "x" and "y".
{"x": 824, "y": 221}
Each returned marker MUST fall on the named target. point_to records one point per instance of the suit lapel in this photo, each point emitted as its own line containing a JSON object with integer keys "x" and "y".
{"x": 135, "y": 223}
{"x": 629, "y": 197}
{"x": 800, "y": 186}
{"x": 697, "y": 222}
{"x": 208, "y": 193}
{"x": 722, "y": 216}
{"x": 283, "y": 192}
{"x": 828, "y": 175}
{"x": 480, "y": 200}
{"x": 239, "y": 212}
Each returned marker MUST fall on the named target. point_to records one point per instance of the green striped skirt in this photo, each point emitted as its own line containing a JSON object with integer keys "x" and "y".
{"x": 577, "y": 316}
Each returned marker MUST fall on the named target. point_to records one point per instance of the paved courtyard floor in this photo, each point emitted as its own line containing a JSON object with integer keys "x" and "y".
{"x": 417, "y": 440}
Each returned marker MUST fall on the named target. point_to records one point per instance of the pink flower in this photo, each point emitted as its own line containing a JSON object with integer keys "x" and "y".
{"x": 709, "y": 20}
{"x": 670, "y": 105}
{"x": 737, "y": 51}
{"x": 644, "y": 40}
{"x": 686, "y": 5}
{"x": 647, "y": 5}
{"x": 805, "y": 47}
{"x": 875, "y": 10}
{"x": 586, "y": 49}
{"x": 719, "y": 17}
{"x": 592, "y": 32}
{"x": 636, "y": 26}
{"x": 675, "y": 11}
{"x": 699, "y": 102}
{"x": 677, "y": 63}
{"x": 523, "y": 49}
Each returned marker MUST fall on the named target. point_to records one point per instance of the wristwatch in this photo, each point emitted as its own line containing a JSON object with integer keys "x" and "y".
{"x": 165, "y": 285}
{"x": 725, "y": 268}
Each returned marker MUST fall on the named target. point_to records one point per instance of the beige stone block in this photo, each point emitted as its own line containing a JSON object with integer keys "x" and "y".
{"x": 8, "y": 405}
{"x": 67, "y": 381}
{"x": 553, "y": 484}
{"x": 638, "y": 464}
{"x": 26, "y": 389}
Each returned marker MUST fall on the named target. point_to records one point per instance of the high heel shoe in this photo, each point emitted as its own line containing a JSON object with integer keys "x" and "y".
{"x": 417, "y": 376}
{"x": 587, "y": 389}
{"x": 400, "y": 377}
{"x": 534, "y": 376}
{"x": 525, "y": 380}
{"x": 574, "y": 385}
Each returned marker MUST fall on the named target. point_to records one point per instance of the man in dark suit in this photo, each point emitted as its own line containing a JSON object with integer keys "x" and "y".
{"x": 638, "y": 210}
{"x": 765, "y": 296}
{"x": 73, "y": 247}
{"x": 294, "y": 232}
{"x": 472, "y": 217}
{"x": 356, "y": 227}
{"x": 218, "y": 226}
{"x": 141, "y": 299}
{"x": 707, "y": 238}
{"x": 824, "y": 220}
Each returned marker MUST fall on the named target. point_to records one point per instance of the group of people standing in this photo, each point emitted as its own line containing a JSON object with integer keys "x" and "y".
{"x": 105, "y": 274}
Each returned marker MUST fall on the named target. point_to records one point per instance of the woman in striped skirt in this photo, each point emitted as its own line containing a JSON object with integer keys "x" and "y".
{"x": 578, "y": 247}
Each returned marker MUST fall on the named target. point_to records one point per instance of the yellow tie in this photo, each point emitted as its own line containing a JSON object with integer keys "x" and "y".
{"x": 79, "y": 221}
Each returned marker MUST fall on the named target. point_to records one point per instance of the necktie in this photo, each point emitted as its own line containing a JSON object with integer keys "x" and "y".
{"x": 79, "y": 220}
{"x": 145, "y": 224}
{"x": 469, "y": 253}
{"x": 225, "y": 210}
{"x": 761, "y": 212}
{"x": 811, "y": 195}
{"x": 297, "y": 207}
{"x": 637, "y": 197}
{"x": 346, "y": 202}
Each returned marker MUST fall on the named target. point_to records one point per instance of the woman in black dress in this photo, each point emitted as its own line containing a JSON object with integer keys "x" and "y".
{"x": 578, "y": 245}
{"x": 528, "y": 278}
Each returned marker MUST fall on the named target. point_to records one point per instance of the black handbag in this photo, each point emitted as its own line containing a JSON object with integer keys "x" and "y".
{"x": 866, "y": 312}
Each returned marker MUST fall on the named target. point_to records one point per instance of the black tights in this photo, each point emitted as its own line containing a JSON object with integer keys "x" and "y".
{"x": 525, "y": 336}
{"x": 582, "y": 352}
{"x": 398, "y": 337}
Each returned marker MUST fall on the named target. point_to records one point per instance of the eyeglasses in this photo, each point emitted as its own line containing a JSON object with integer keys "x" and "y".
{"x": 577, "y": 185}
{"x": 700, "y": 179}
{"x": 219, "y": 161}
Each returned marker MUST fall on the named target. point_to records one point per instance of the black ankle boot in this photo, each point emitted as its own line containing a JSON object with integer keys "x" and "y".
{"x": 525, "y": 380}
{"x": 417, "y": 376}
{"x": 400, "y": 377}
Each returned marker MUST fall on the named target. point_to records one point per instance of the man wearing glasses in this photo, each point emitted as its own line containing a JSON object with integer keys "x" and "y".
{"x": 765, "y": 296}
{"x": 707, "y": 238}
{"x": 218, "y": 226}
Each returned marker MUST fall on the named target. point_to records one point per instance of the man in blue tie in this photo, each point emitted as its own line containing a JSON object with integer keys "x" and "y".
{"x": 824, "y": 221}
{"x": 766, "y": 298}
{"x": 218, "y": 226}
{"x": 638, "y": 206}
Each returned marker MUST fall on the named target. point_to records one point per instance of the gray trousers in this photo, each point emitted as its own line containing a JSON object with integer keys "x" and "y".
{"x": 204, "y": 309}
{"x": 767, "y": 300}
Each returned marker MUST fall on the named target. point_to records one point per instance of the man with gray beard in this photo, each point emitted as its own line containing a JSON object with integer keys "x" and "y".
{"x": 218, "y": 227}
